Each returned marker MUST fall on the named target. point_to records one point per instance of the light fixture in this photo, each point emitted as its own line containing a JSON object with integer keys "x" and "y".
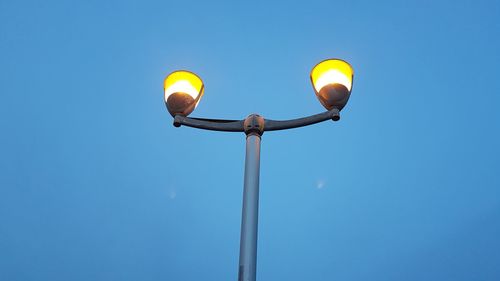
{"x": 332, "y": 82}
{"x": 182, "y": 92}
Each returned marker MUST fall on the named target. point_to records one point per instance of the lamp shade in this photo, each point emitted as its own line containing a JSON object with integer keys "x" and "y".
{"x": 182, "y": 92}
{"x": 332, "y": 82}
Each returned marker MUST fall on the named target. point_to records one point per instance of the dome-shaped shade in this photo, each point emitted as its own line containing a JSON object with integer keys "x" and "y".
{"x": 182, "y": 92}
{"x": 332, "y": 82}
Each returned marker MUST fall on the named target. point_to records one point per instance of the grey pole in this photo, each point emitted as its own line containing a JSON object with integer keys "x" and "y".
{"x": 249, "y": 220}
{"x": 253, "y": 126}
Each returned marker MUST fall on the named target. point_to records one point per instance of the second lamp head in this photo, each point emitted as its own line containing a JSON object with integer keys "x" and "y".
{"x": 332, "y": 83}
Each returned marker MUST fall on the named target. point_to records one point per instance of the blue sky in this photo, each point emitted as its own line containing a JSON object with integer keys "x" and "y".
{"x": 96, "y": 183}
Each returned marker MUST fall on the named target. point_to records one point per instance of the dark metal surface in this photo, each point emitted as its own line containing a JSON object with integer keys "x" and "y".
{"x": 254, "y": 123}
{"x": 333, "y": 96}
{"x": 274, "y": 125}
{"x": 209, "y": 124}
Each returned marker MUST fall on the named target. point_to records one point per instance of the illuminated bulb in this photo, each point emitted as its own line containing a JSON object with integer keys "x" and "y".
{"x": 332, "y": 76}
{"x": 181, "y": 86}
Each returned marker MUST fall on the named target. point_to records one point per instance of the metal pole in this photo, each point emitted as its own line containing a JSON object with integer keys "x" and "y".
{"x": 250, "y": 214}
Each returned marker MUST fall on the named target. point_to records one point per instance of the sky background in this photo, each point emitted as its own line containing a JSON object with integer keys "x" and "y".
{"x": 96, "y": 183}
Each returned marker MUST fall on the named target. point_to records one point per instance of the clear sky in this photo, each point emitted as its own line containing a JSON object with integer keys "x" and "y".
{"x": 96, "y": 183}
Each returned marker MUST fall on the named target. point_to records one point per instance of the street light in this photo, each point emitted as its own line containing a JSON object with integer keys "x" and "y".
{"x": 332, "y": 82}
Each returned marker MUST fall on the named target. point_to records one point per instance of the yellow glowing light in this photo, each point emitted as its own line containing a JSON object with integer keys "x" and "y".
{"x": 183, "y": 82}
{"x": 182, "y": 86}
{"x": 332, "y": 71}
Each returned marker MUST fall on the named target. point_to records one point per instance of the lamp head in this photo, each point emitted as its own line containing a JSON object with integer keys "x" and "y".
{"x": 332, "y": 82}
{"x": 182, "y": 92}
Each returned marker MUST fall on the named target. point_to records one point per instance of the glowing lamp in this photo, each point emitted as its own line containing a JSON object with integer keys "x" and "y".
{"x": 183, "y": 91}
{"x": 332, "y": 82}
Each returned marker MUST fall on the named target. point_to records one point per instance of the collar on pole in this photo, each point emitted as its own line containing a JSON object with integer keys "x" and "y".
{"x": 254, "y": 125}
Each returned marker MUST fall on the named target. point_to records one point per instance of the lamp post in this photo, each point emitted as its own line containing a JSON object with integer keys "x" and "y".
{"x": 332, "y": 82}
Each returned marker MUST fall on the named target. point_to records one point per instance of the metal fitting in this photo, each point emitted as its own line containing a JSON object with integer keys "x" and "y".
{"x": 254, "y": 124}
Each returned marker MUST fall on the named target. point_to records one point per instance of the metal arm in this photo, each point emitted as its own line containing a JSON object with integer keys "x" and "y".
{"x": 269, "y": 125}
{"x": 210, "y": 124}
{"x": 274, "y": 125}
